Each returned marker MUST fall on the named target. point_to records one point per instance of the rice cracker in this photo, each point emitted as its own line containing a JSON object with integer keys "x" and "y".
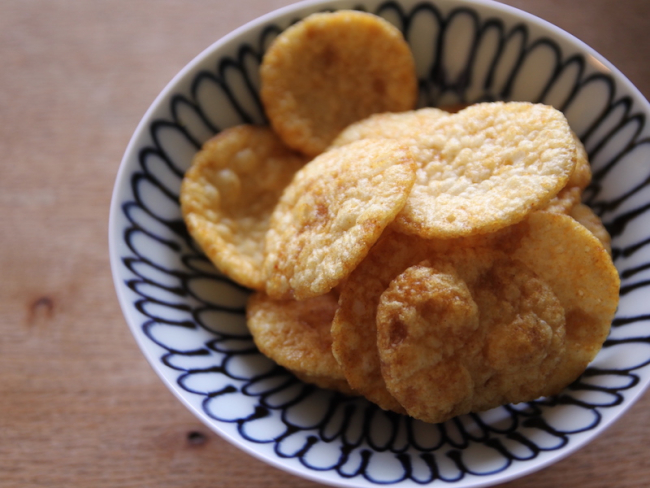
{"x": 331, "y": 214}
{"x": 491, "y": 165}
{"x": 332, "y": 69}
{"x": 228, "y": 194}
{"x": 296, "y": 335}
{"x": 556, "y": 259}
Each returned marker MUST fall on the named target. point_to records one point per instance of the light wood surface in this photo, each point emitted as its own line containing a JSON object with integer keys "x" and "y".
{"x": 79, "y": 405}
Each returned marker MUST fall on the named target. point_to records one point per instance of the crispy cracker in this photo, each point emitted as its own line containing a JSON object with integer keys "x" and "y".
{"x": 354, "y": 330}
{"x": 577, "y": 267}
{"x": 330, "y": 70}
{"x": 491, "y": 165}
{"x": 571, "y": 194}
{"x": 552, "y": 256}
{"x": 228, "y": 194}
{"x": 586, "y": 216}
{"x": 423, "y": 318}
{"x": 296, "y": 335}
{"x": 403, "y": 125}
{"x": 469, "y": 331}
{"x": 332, "y": 213}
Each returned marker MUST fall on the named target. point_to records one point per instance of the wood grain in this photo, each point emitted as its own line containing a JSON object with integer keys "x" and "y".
{"x": 79, "y": 405}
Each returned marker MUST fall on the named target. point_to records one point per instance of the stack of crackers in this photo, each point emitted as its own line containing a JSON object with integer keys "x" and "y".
{"x": 435, "y": 262}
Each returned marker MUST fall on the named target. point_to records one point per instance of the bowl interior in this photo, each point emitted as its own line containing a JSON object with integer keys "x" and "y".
{"x": 189, "y": 320}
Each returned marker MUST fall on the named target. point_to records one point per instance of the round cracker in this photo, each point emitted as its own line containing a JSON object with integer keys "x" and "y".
{"x": 577, "y": 267}
{"x": 330, "y": 215}
{"x": 561, "y": 252}
{"x": 332, "y": 69}
{"x": 492, "y": 164}
{"x": 422, "y": 319}
{"x": 402, "y": 125}
{"x": 296, "y": 335}
{"x": 571, "y": 194}
{"x": 586, "y": 216}
{"x": 468, "y": 332}
{"x": 354, "y": 329}
{"x": 581, "y": 176}
{"x": 228, "y": 194}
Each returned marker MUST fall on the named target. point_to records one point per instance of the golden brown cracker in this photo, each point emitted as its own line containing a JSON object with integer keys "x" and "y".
{"x": 577, "y": 267}
{"x": 523, "y": 279}
{"x": 571, "y": 194}
{"x": 404, "y": 126}
{"x": 491, "y": 165}
{"x": 586, "y": 216}
{"x": 296, "y": 335}
{"x": 525, "y": 340}
{"x": 330, "y": 70}
{"x": 467, "y": 332}
{"x": 330, "y": 215}
{"x": 423, "y": 319}
{"x": 354, "y": 330}
{"x": 581, "y": 176}
{"x": 228, "y": 194}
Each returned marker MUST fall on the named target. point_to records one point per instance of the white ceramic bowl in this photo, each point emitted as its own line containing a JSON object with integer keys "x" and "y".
{"x": 189, "y": 321}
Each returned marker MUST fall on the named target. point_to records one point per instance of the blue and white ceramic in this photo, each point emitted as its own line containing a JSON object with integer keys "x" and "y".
{"x": 189, "y": 320}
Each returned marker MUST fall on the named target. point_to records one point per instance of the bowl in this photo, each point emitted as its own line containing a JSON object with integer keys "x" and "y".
{"x": 189, "y": 320}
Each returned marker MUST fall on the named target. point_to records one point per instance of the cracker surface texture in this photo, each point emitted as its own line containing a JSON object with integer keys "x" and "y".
{"x": 577, "y": 267}
{"x": 584, "y": 215}
{"x": 330, "y": 70}
{"x": 454, "y": 338}
{"x": 354, "y": 330}
{"x": 296, "y": 335}
{"x": 228, "y": 194}
{"x": 404, "y": 126}
{"x": 571, "y": 194}
{"x": 440, "y": 327}
{"x": 330, "y": 215}
{"x": 491, "y": 164}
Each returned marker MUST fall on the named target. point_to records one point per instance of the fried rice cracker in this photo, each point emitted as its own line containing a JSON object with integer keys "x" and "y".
{"x": 491, "y": 165}
{"x": 354, "y": 330}
{"x": 410, "y": 347}
{"x": 330, "y": 70}
{"x": 296, "y": 335}
{"x": 586, "y": 216}
{"x": 402, "y": 125}
{"x": 577, "y": 267}
{"x": 228, "y": 193}
{"x": 330, "y": 215}
{"x": 455, "y": 338}
{"x": 571, "y": 194}
{"x": 545, "y": 264}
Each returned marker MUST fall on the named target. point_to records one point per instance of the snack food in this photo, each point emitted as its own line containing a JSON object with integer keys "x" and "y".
{"x": 436, "y": 263}
{"x": 296, "y": 335}
{"x": 330, "y": 70}
{"x": 451, "y": 342}
{"x": 568, "y": 257}
{"x": 491, "y": 165}
{"x": 584, "y": 215}
{"x": 571, "y": 195}
{"x": 476, "y": 326}
{"x": 403, "y": 126}
{"x": 330, "y": 215}
{"x": 228, "y": 194}
{"x": 354, "y": 329}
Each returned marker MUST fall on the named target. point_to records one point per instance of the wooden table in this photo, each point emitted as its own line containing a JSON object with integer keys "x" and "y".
{"x": 79, "y": 405}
